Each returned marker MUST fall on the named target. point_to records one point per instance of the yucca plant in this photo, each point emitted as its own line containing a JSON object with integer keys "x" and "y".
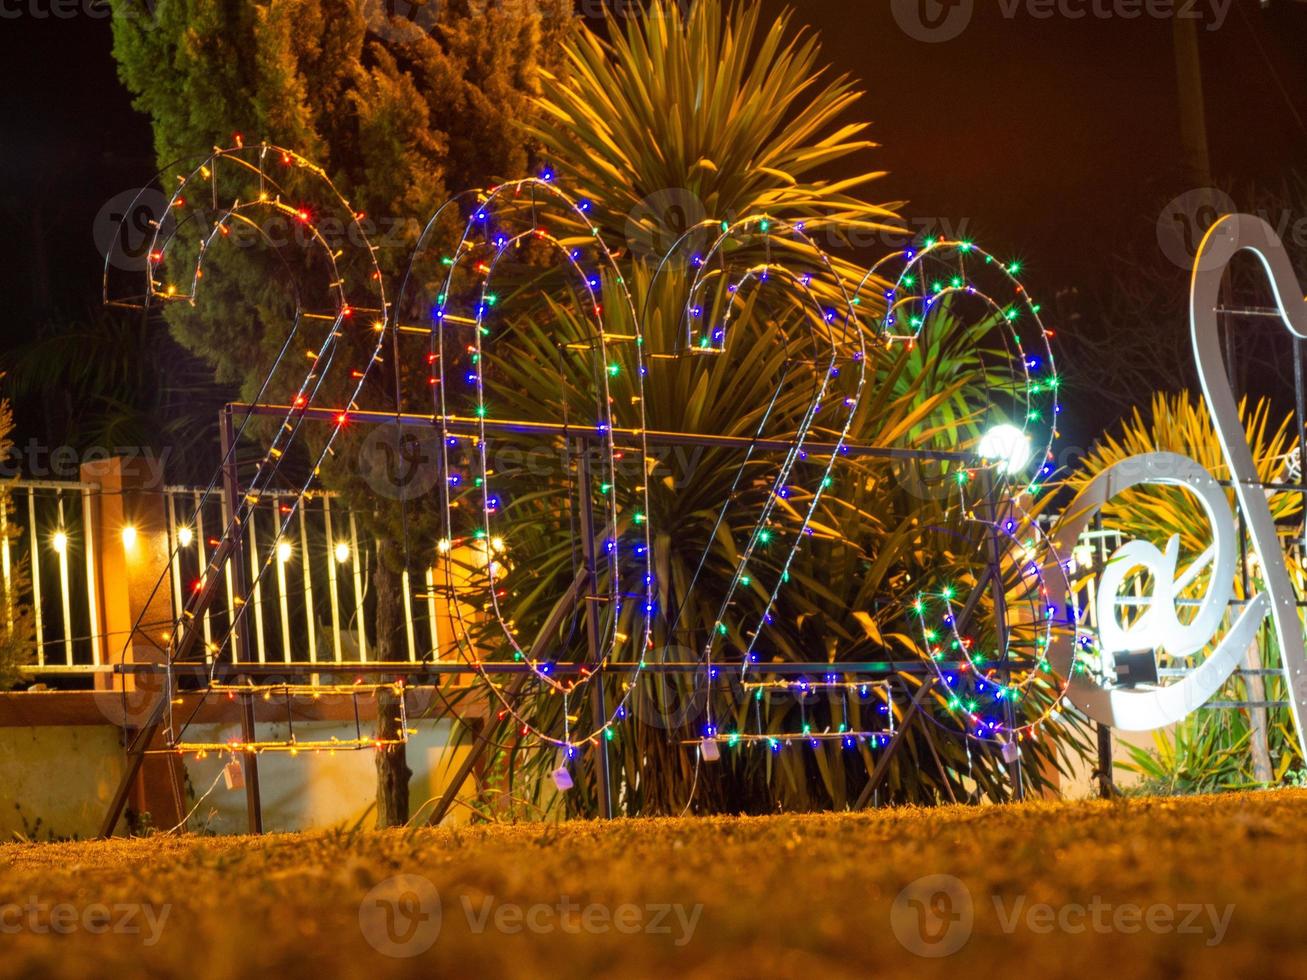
{"x": 1217, "y": 748}
{"x": 714, "y": 108}
{"x": 876, "y": 540}
{"x": 737, "y": 119}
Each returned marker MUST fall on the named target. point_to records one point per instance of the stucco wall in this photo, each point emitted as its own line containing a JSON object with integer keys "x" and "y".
{"x": 63, "y": 775}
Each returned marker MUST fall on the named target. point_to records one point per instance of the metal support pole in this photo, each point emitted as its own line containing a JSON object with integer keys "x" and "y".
{"x": 882, "y": 764}
{"x": 1106, "y": 788}
{"x": 484, "y": 736}
{"x": 1103, "y": 733}
{"x": 1000, "y": 624}
{"x": 1300, "y": 409}
{"x": 135, "y": 759}
{"x": 139, "y": 744}
{"x": 231, "y": 488}
{"x": 593, "y": 612}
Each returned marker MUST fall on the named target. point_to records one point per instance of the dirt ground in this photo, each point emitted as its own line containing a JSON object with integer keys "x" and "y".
{"x": 1176, "y": 887}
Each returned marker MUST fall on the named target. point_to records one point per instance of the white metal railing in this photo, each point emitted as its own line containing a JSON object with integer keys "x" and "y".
{"x": 61, "y": 568}
{"x": 309, "y": 607}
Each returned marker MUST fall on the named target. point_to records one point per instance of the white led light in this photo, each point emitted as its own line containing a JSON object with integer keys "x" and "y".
{"x": 1006, "y": 445}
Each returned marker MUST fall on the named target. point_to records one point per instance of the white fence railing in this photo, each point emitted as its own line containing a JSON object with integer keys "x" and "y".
{"x": 309, "y": 607}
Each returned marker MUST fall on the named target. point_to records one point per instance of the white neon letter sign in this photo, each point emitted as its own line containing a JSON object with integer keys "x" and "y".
{"x": 1138, "y": 710}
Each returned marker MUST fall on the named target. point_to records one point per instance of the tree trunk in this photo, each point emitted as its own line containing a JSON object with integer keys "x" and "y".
{"x": 393, "y": 772}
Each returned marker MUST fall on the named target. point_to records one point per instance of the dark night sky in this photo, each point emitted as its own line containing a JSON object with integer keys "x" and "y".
{"x": 1056, "y": 140}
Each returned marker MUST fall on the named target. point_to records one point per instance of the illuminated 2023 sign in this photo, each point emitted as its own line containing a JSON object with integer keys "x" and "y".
{"x": 1139, "y": 709}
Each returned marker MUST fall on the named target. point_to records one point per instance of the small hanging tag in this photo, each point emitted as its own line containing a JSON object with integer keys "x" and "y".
{"x": 562, "y": 779}
{"x": 710, "y": 750}
{"x": 1010, "y": 752}
{"x": 234, "y": 774}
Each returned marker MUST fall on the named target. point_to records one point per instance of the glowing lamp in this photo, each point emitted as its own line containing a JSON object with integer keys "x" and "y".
{"x": 283, "y": 551}
{"x": 129, "y": 536}
{"x": 185, "y": 537}
{"x": 342, "y": 552}
{"x": 60, "y": 542}
{"x": 1007, "y": 446}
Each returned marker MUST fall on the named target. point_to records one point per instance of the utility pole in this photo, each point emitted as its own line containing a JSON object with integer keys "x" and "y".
{"x": 1193, "y": 114}
{"x": 1198, "y": 174}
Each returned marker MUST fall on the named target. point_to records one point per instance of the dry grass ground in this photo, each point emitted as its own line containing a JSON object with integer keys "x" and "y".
{"x": 1178, "y": 887}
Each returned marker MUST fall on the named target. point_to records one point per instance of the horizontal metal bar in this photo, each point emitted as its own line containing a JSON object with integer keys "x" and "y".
{"x": 1266, "y": 311}
{"x": 1279, "y": 487}
{"x": 469, "y": 426}
{"x": 65, "y": 486}
{"x": 1246, "y": 704}
{"x": 273, "y": 492}
{"x": 297, "y": 668}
